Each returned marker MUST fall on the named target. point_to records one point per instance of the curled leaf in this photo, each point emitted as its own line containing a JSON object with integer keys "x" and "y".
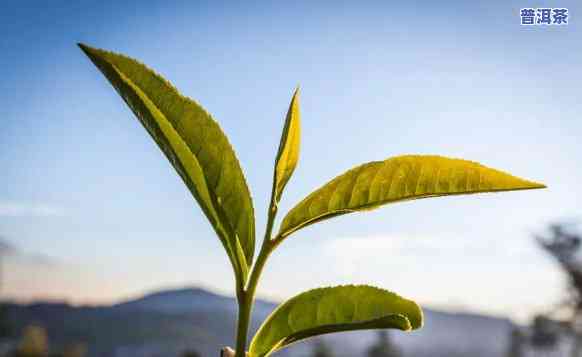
{"x": 335, "y": 309}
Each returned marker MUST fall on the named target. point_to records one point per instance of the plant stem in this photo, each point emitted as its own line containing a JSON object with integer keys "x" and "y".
{"x": 244, "y": 313}
{"x": 247, "y": 296}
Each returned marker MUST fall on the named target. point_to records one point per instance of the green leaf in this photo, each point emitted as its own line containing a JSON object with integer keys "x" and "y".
{"x": 195, "y": 146}
{"x": 398, "y": 179}
{"x": 288, "y": 154}
{"x": 327, "y": 310}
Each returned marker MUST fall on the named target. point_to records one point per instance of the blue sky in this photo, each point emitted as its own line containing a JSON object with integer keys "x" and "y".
{"x": 97, "y": 215}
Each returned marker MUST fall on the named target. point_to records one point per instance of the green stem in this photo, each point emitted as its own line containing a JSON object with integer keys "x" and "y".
{"x": 244, "y": 313}
{"x": 247, "y": 296}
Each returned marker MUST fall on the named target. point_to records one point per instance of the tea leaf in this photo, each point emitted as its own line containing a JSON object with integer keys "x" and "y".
{"x": 328, "y": 310}
{"x": 398, "y": 179}
{"x": 195, "y": 146}
{"x": 288, "y": 154}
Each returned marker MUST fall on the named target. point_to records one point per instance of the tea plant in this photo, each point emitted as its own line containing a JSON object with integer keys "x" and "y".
{"x": 201, "y": 154}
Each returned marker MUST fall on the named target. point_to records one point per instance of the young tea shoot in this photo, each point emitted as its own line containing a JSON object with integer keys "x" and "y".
{"x": 202, "y": 156}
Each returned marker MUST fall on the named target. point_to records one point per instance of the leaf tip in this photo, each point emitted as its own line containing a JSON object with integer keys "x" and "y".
{"x": 532, "y": 185}
{"x": 87, "y": 50}
{"x": 418, "y": 322}
{"x": 295, "y": 98}
{"x": 83, "y": 46}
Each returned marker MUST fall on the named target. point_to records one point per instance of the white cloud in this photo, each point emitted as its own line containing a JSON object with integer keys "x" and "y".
{"x": 484, "y": 274}
{"x": 395, "y": 246}
{"x": 28, "y": 209}
{"x": 407, "y": 246}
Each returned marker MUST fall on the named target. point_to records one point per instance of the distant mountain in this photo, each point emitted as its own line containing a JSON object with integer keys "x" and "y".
{"x": 168, "y": 322}
{"x": 180, "y": 301}
{"x": 190, "y": 300}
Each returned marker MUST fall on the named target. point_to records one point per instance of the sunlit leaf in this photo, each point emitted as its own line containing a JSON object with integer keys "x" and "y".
{"x": 288, "y": 154}
{"x": 327, "y": 310}
{"x": 195, "y": 146}
{"x": 398, "y": 179}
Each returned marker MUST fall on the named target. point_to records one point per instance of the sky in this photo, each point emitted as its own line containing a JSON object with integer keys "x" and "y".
{"x": 92, "y": 213}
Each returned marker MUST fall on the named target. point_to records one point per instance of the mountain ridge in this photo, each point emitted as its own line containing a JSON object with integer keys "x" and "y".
{"x": 166, "y": 322}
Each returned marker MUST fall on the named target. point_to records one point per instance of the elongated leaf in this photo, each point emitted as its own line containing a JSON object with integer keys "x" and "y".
{"x": 288, "y": 154}
{"x": 398, "y": 179}
{"x": 194, "y": 144}
{"x": 327, "y": 310}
